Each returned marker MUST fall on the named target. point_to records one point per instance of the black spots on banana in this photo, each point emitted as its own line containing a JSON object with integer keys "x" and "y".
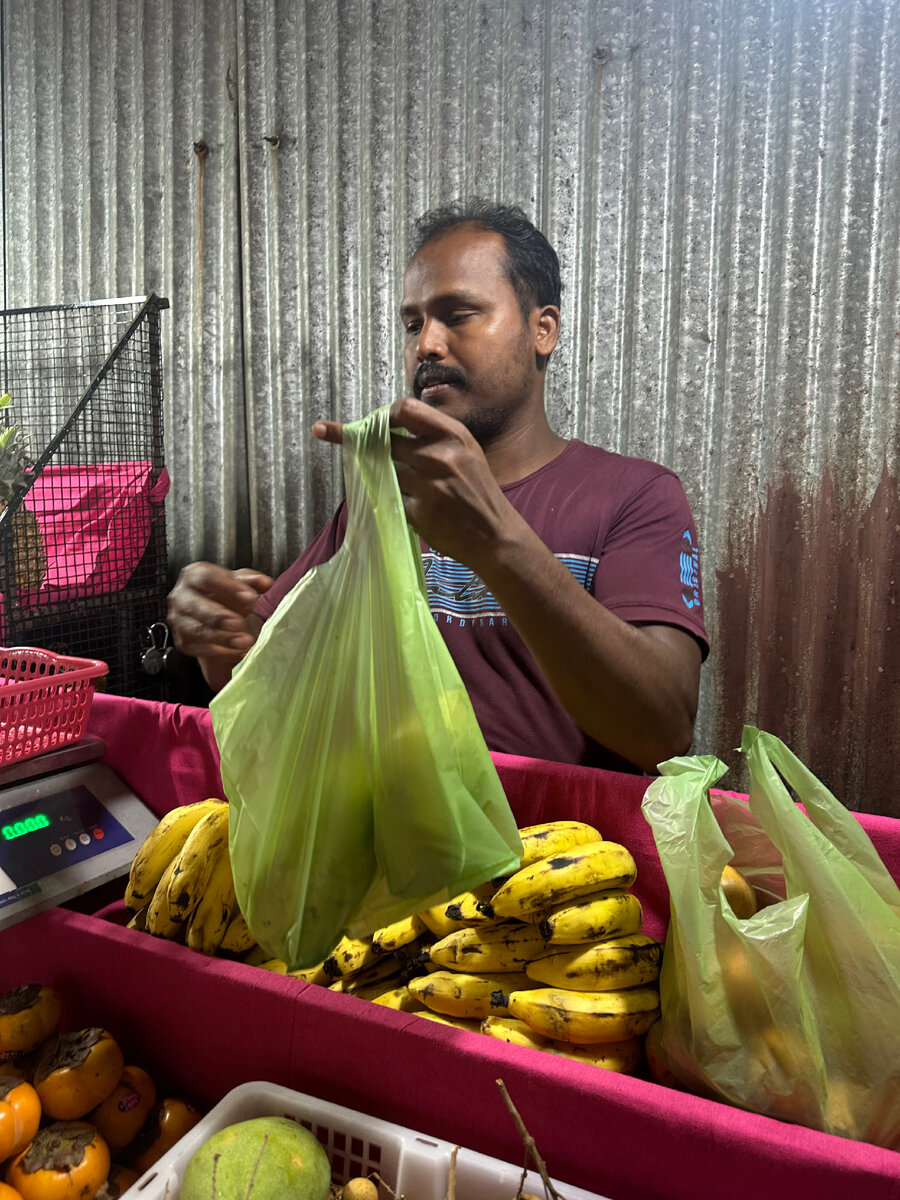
{"x": 560, "y": 861}
{"x": 454, "y": 912}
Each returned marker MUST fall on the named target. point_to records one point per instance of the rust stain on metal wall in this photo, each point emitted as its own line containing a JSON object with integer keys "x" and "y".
{"x": 809, "y": 647}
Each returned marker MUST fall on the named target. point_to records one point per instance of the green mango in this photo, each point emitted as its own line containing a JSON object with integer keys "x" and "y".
{"x": 265, "y": 1158}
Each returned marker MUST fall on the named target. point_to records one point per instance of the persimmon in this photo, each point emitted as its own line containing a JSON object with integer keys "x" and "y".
{"x": 20, "y": 1115}
{"x": 121, "y": 1115}
{"x": 117, "y": 1183}
{"x": 170, "y": 1120}
{"x": 9, "y": 1193}
{"x": 67, "y": 1160}
{"x": 29, "y": 1014}
{"x": 77, "y": 1072}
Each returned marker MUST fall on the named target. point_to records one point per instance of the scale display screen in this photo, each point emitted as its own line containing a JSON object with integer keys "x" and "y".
{"x": 43, "y": 836}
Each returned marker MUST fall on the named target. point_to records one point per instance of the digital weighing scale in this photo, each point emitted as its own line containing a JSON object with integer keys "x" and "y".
{"x": 68, "y": 824}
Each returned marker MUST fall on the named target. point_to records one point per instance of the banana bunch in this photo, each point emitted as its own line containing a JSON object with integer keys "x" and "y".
{"x": 553, "y": 958}
{"x": 180, "y": 884}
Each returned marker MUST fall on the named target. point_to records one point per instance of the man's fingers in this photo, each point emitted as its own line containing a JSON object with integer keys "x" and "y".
{"x": 254, "y": 579}
{"x": 420, "y": 418}
{"x": 329, "y": 431}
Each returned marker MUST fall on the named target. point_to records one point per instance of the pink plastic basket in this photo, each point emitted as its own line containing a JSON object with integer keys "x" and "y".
{"x": 45, "y": 700}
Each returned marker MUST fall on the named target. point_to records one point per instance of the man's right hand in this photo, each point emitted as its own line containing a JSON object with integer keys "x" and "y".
{"x": 211, "y": 618}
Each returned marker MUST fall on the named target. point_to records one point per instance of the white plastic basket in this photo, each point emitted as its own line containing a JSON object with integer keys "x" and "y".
{"x": 412, "y": 1165}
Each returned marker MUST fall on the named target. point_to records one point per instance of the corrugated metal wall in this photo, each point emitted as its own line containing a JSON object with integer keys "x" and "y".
{"x": 720, "y": 178}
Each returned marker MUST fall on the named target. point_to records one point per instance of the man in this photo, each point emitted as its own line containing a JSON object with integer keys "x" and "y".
{"x": 563, "y": 577}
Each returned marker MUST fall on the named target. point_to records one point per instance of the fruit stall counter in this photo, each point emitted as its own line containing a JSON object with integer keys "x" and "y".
{"x": 210, "y": 1024}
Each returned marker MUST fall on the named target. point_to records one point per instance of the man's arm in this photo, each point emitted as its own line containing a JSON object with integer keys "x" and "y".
{"x": 632, "y": 688}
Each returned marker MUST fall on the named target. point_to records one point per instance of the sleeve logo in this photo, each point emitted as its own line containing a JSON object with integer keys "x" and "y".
{"x": 690, "y": 571}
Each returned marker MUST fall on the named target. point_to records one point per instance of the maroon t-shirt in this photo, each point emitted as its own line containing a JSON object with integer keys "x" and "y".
{"x": 624, "y": 529}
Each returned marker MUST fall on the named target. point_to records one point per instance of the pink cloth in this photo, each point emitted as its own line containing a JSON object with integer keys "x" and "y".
{"x": 205, "y": 1025}
{"x": 95, "y": 522}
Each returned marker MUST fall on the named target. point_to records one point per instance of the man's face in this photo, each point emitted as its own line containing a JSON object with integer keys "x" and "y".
{"x": 469, "y": 350}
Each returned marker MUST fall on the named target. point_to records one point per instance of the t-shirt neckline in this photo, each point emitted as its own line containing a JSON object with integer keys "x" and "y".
{"x": 572, "y": 442}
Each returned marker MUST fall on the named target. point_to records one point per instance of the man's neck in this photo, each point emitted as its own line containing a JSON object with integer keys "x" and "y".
{"x": 524, "y": 450}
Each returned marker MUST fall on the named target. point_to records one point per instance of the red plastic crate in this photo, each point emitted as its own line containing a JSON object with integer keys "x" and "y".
{"x": 45, "y": 700}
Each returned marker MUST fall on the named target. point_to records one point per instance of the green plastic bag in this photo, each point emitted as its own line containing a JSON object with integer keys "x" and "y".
{"x": 360, "y": 785}
{"x": 795, "y": 1011}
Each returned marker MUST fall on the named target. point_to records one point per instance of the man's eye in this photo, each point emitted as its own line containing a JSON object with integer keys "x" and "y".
{"x": 411, "y": 327}
{"x": 456, "y": 317}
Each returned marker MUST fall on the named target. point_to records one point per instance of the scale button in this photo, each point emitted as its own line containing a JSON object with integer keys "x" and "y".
{"x": 56, "y": 849}
{"x": 98, "y": 833}
{"x": 84, "y": 838}
{"x": 70, "y": 843}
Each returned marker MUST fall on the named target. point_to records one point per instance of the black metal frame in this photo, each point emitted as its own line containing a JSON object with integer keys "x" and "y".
{"x": 86, "y": 387}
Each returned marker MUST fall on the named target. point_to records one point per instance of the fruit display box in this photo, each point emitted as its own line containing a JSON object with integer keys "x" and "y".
{"x": 204, "y": 1026}
{"x": 410, "y": 1164}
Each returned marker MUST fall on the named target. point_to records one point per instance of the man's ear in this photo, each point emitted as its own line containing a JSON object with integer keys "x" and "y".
{"x": 545, "y": 323}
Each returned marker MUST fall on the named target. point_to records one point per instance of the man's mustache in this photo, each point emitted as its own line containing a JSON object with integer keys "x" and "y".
{"x": 429, "y": 374}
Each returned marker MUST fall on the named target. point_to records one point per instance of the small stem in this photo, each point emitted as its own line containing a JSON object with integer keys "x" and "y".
{"x": 451, "y": 1181}
{"x": 528, "y": 1141}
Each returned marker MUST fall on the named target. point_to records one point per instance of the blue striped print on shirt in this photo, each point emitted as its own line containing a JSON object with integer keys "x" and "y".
{"x": 457, "y": 590}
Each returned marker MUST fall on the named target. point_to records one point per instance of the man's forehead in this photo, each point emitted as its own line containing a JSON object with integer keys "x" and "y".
{"x": 466, "y": 260}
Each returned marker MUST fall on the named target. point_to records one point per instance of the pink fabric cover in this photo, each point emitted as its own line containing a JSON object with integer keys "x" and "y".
{"x": 205, "y": 1025}
{"x": 95, "y": 521}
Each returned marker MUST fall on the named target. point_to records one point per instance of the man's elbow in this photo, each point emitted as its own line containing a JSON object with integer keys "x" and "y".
{"x": 669, "y": 740}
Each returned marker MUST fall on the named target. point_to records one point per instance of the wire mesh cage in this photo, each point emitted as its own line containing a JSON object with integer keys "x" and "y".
{"x": 82, "y": 484}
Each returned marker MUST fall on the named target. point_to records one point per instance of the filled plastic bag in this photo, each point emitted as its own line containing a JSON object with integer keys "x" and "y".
{"x": 793, "y": 1012}
{"x": 360, "y": 784}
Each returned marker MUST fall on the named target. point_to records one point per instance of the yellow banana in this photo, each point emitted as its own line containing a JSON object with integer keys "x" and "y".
{"x": 370, "y": 991}
{"x": 387, "y": 968}
{"x": 458, "y": 1022}
{"x": 437, "y": 922}
{"x": 238, "y": 938}
{"x": 158, "y": 849}
{"x": 276, "y": 965}
{"x": 606, "y": 914}
{"x": 139, "y": 920}
{"x": 511, "y": 1029}
{"x": 506, "y": 947}
{"x": 456, "y": 994}
{"x": 624, "y": 1057}
{"x": 215, "y": 908}
{"x": 279, "y": 967}
{"x": 554, "y": 837}
{"x": 350, "y": 956}
{"x": 610, "y": 965}
{"x": 398, "y": 934}
{"x": 256, "y": 956}
{"x": 473, "y": 907}
{"x": 399, "y": 998}
{"x": 591, "y": 867}
{"x": 194, "y": 862}
{"x": 159, "y": 920}
{"x": 587, "y": 1017}
{"x": 314, "y": 974}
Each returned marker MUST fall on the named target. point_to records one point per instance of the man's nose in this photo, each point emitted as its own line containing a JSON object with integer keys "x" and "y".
{"x": 432, "y": 341}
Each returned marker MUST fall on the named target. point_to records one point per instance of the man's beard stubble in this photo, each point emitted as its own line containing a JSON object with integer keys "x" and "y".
{"x": 485, "y": 424}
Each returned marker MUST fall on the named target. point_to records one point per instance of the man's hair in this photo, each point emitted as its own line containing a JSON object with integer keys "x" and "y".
{"x": 532, "y": 267}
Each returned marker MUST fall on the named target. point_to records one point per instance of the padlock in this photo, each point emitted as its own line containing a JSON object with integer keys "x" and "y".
{"x": 154, "y": 657}
{"x": 151, "y": 660}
